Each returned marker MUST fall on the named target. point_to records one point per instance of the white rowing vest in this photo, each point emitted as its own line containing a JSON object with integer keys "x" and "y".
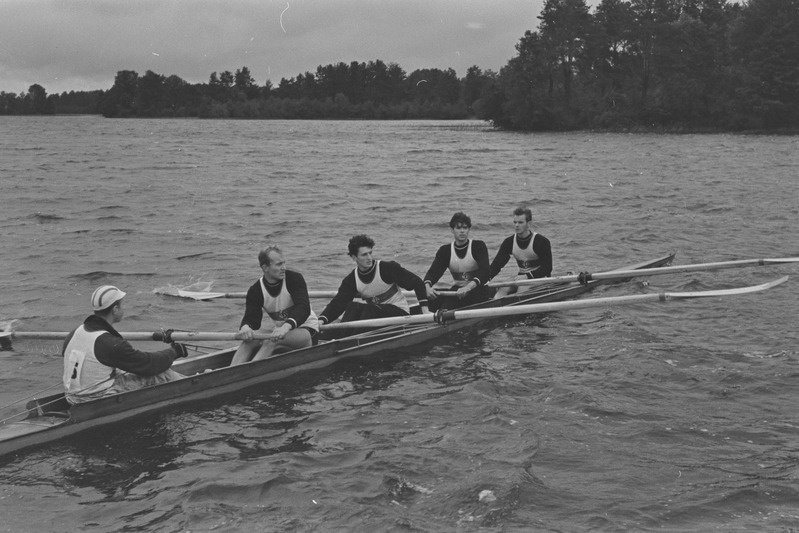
{"x": 462, "y": 270}
{"x": 379, "y": 292}
{"x": 526, "y": 258}
{"x": 275, "y": 307}
{"x": 84, "y": 375}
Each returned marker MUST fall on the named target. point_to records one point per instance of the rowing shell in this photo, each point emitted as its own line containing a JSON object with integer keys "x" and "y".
{"x": 49, "y": 418}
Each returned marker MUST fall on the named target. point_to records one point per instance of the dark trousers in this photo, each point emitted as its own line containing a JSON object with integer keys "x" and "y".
{"x": 480, "y": 294}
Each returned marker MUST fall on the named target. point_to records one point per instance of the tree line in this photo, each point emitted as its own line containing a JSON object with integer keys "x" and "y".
{"x": 676, "y": 65}
{"x": 37, "y": 102}
{"x": 663, "y": 64}
{"x": 356, "y": 90}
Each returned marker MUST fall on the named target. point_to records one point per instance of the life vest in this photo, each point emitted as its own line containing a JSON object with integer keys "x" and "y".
{"x": 462, "y": 270}
{"x": 275, "y": 307}
{"x": 85, "y": 377}
{"x": 526, "y": 258}
{"x": 379, "y": 292}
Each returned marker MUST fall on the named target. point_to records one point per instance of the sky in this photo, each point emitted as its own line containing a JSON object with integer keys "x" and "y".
{"x": 80, "y": 45}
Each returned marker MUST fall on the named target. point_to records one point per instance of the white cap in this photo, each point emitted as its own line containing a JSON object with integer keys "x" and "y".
{"x": 105, "y": 296}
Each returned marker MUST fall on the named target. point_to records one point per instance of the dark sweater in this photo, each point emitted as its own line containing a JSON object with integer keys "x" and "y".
{"x": 112, "y": 350}
{"x": 296, "y": 315}
{"x": 541, "y": 247}
{"x": 443, "y": 256}
{"x": 390, "y": 272}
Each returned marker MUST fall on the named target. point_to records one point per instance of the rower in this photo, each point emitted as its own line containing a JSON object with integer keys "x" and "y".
{"x": 378, "y": 283}
{"x": 99, "y": 362}
{"x": 283, "y": 295}
{"x": 467, "y": 260}
{"x": 531, "y": 250}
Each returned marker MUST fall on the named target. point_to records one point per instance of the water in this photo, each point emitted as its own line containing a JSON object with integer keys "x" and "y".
{"x": 676, "y": 417}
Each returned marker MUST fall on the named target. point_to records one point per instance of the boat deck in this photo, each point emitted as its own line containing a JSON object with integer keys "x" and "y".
{"x": 31, "y": 425}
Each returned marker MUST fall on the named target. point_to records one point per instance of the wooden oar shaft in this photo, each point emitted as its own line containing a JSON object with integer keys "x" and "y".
{"x": 492, "y": 312}
{"x": 311, "y": 294}
{"x": 202, "y": 295}
{"x": 624, "y": 274}
{"x": 177, "y": 336}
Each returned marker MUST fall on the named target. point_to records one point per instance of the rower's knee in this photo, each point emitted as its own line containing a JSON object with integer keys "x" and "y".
{"x": 245, "y": 351}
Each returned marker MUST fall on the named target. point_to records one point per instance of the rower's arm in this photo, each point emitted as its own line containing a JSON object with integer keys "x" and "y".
{"x": 480, "y": 254}
{"x": 118, "y": 353}
{"x": 254, "y": 307}
{"x": 392, "y": 272}
{"x": 298, "y": 313}
{"x": 346, "y": 293}
{"x": 439, "y": 266}
{"x": 543, "y": 249}
{"x": 502, "y": 257}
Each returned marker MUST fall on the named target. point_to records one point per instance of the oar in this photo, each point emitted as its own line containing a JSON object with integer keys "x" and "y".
{"x": 177, "y": 336}
{"x": 202, "y": 295}
{"x": 623, "y": 274}
{"x": 553, "y": 306}
{"x": 585, "y": 277}
{"x": 182, "y": 336}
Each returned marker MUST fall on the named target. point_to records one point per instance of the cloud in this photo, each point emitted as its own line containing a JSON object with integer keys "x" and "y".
{"x": 81, "y": 44}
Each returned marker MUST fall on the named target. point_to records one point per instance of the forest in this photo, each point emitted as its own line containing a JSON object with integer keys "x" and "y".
{"x": 626, "y": 65}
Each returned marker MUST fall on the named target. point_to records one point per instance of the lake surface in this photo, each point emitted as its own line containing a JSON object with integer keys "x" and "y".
{"x": 655, "y": 417}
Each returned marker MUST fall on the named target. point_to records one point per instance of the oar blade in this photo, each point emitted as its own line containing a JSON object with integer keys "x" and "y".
{"x": 192, "y": 295}
{"x": 728, "y": 292}
{"x": 607, "y": 301}
{"x": 200, "y": 295}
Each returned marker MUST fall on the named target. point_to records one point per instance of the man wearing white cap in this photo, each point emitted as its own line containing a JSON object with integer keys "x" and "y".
{"x": 99, "y": 362}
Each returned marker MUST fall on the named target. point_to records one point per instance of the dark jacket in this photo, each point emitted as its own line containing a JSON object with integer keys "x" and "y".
{"x": 114, "y": 351}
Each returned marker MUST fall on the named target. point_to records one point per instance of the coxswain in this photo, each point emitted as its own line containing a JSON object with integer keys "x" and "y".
{"x": 98, "y": 362}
